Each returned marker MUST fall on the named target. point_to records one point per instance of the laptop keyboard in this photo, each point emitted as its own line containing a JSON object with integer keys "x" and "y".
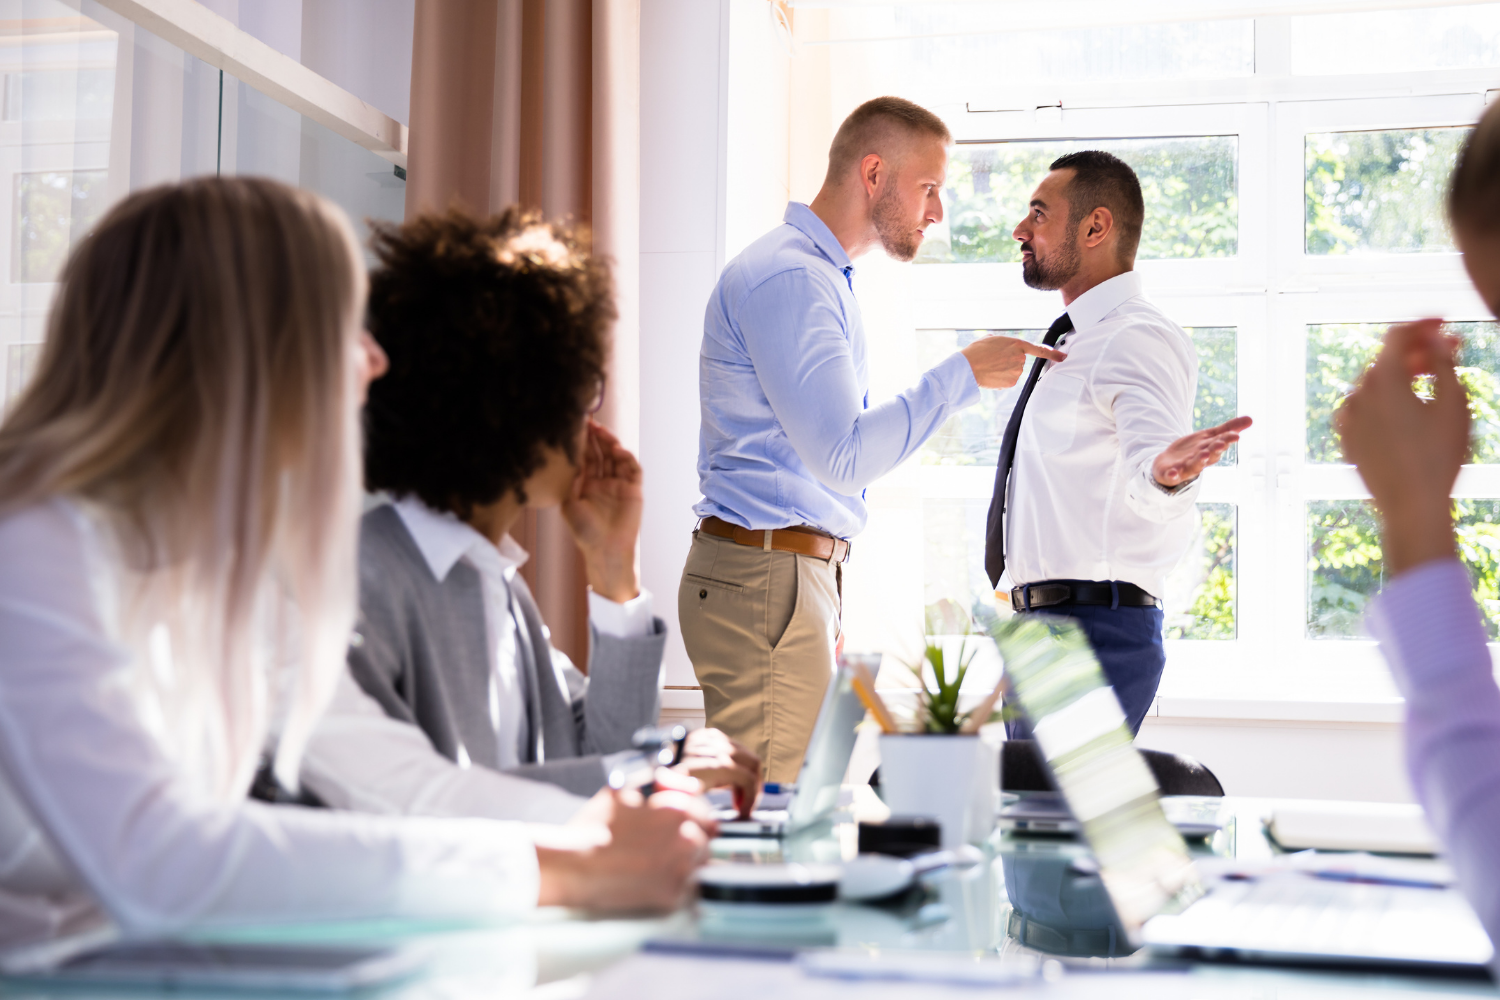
{"x": 1297, "y": 915}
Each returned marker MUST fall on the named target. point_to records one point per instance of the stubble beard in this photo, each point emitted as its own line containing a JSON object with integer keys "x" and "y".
{"x": 898, "y": 238}
{"x": 1060, "y": 267}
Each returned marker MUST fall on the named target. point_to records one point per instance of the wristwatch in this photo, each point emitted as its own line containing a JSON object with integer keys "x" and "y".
{"x": 1171, "y": 491}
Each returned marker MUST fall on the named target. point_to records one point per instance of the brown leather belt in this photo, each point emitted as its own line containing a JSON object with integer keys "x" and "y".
{"x": 801, "y": 540}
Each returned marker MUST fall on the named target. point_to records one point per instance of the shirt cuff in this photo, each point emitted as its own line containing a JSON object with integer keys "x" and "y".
{"x": 1430, "y": 629}
{"x": 956, "y": 376}
{"x": 1150, "y": 501}
{"x": 631, "y": 620}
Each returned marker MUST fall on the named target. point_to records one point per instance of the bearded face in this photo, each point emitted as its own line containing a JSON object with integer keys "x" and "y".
{"x": 1051, "y": 269}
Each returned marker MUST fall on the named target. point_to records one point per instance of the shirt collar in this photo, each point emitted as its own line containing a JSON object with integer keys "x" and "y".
{"x": 443, "y": 539}
{"x": 1104, "y": 298}
{"x": 806, "y": 221}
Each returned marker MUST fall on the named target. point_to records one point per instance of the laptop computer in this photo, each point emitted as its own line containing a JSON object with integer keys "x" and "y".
{"x": 816, "y": 794}
{"x": 1147, "y": 874}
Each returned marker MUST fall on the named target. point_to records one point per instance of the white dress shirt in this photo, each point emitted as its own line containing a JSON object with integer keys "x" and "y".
{"x": 1083, "y": 503}
{"x": 360, "y": 758}
{"x": 98, "y": 818}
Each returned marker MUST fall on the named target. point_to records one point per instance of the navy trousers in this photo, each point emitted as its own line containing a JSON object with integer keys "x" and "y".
{"x": 1127, "y": 642}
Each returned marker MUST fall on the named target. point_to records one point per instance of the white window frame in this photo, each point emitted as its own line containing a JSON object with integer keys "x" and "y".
{"x": 1270, "y": 292}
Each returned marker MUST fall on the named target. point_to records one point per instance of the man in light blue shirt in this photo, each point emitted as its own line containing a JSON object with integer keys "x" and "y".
{"x": 789, "y": 440}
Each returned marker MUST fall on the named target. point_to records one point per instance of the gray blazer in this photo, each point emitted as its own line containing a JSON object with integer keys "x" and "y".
{"x": 422, "y": 653}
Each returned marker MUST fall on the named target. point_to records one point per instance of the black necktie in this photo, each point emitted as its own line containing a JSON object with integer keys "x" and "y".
{"x": 994, "y": 535}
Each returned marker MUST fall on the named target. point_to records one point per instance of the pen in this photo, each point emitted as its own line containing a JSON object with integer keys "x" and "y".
{"x": 864, "y": 686}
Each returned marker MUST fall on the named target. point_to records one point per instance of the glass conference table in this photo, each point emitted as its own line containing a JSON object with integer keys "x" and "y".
{"x": 1015, "y": 904}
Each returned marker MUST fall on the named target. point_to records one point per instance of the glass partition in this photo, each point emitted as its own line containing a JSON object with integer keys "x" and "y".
{"x": 95, "y": 107}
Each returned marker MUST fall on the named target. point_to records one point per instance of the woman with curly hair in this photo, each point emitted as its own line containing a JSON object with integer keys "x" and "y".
{"x": 457, "y": 703}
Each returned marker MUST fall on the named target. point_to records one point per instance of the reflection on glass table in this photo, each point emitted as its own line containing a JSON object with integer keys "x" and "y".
{"x": 1346, "y": 568}
{"x": 1190, "y": 185}
{"x": 1379, "y": 192}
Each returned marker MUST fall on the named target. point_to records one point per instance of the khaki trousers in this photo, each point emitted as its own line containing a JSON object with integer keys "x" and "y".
{"x": 760, "y": 627}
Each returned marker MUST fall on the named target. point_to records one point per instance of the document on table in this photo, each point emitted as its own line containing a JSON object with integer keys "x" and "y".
{"x": 1387, "y": 827}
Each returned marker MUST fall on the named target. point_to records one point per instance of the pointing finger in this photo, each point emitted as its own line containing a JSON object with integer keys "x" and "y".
{"x": 1043, "y": 351}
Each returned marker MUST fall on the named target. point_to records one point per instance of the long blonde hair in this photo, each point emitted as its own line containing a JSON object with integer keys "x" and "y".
{"x": 197, "y": 389}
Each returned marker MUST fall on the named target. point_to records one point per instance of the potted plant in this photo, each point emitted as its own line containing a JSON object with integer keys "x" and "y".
{"x": 943, "y": 766}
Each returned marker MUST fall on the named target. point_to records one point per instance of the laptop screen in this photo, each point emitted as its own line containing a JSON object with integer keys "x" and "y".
{"x": 831, "y": 746}
{"x": 1082, "y": 735}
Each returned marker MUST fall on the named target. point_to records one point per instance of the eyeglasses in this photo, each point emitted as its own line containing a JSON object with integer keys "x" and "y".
{"x": 598, "y": 403}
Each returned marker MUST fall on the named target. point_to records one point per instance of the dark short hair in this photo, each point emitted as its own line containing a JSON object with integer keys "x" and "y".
{"x": 873, "y": 124}
{"x": 497, "y": 332}
{"x": 1103, "y": 180}
{"x": 1474, "y": 191}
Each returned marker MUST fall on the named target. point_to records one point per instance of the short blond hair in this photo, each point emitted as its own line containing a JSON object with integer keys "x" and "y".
{"x": 1474, "y": 190}
{"x": 874, "y": 126}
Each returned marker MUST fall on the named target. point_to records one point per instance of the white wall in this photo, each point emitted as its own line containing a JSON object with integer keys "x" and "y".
{"x": 683, "y": 76}
{"x": 1301, "y": 760}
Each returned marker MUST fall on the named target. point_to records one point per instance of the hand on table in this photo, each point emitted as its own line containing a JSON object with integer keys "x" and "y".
{"x": 718, "y": 761}
{"x": 1185, "y": 459}
{"x": 604, "y": 514}
{"x": 998, "y": 361}
{"x": 626, "y": 855}
{"x": 1408, "y": 449}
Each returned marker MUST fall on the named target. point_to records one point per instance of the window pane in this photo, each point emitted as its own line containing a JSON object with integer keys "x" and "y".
{"x": 972, "y": 436}
{"x": 1397, "y": 41}
{"x": 53, "y": 209}
{"x": 1218, "y": 380}
{"x": 60, "y": 94}
{"x": 1190, "y": 185}
{"x": 946, "y": 53}
{"x": 1338, "y": 352}
{"x": 1379, "y": 192}
{"x": 1200, "y": 597}
{"x": 1345, "y": 567}
{"x": 953, "y": 554}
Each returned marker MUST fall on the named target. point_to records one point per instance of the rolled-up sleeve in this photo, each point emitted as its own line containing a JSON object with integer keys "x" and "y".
{"x": 796, "y": 334}
{"x": 1433, "y": 638}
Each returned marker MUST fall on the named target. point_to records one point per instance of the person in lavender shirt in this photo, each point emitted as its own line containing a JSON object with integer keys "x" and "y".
{"x": 1409, "y": 451}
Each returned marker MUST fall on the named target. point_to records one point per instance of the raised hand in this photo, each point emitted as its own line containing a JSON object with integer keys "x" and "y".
{"x": 998, "y": 361}
{"x": 717, "y": 761}
{"x": 1408, "y": 449}
{"x": 1188, "y": 456}
{"x": 604, "y": 514}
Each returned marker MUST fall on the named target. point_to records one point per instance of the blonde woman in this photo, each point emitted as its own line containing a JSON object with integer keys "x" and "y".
{"x": 179, "y": 498}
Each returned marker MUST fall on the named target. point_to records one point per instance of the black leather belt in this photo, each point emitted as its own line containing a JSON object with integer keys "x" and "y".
{"x": 1110, "y": 593}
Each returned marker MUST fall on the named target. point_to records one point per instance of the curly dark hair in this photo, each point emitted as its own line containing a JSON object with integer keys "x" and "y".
{"x": 497, "y": 332}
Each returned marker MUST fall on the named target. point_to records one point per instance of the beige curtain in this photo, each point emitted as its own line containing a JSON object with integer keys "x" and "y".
{"x": 538, "y": 102}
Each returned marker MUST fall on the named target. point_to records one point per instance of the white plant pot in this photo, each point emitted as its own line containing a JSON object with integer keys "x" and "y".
{"x": 953, "y": 779}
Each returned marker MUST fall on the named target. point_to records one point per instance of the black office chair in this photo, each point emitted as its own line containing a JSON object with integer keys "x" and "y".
{"x": 1021, "y": 770}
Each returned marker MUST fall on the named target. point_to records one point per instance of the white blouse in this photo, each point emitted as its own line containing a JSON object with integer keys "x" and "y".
{"x": 96, "y": 821}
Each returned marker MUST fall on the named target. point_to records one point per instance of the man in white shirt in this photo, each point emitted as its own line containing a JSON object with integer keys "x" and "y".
{"x": 456, "y": 703}
{"x": 1097, "y": 479}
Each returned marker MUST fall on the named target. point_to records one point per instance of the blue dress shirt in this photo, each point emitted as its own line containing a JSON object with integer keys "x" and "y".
{"x": 788, "y": 434}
